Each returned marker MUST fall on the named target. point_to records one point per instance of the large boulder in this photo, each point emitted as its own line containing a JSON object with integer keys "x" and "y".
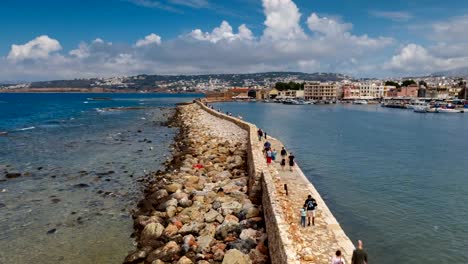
{"x": 250, "y": 234}
{"x": 221, "y": 176}
{"x": 213, "y": 216}
{"x": 152, "y": 231}
{"x": 231, "y": 207}
{"x": 242, "y": 245}
{"x": 173, "y": 187}
{"x": 234, "y": 256}
{"x": 190, "y": 244}
{"x": 136, "y": 257}
{"x": 229, "y": 226}
{"x": 193, "y": 228}
{"x": 209, "y": 230}
{"x": 184, "y": 260}
{"x": 204, "y": 243}
{"x": 170, "y": 251}
{"x": 171, "y": 230}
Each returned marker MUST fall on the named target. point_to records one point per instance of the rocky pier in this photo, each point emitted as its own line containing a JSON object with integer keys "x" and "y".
{"x": 198, "y": 209}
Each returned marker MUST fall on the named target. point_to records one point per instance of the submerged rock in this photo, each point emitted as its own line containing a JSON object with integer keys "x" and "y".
{"x": 12, "y": 175}
{"x": 81, "y": 185}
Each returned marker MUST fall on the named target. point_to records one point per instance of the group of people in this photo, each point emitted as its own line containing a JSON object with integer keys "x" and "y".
{"x": 219, "y": 110}
{"x": 359, "y": 256}
{"x": 308, "y": 211}
{"x": 270, "y": 153}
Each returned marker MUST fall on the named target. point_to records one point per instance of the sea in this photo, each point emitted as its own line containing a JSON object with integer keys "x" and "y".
{"x": 393, "y": 178}
{"x": 82, "y": 162}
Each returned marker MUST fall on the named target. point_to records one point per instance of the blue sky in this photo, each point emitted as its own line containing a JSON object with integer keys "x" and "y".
{"x": 64, "y": 39}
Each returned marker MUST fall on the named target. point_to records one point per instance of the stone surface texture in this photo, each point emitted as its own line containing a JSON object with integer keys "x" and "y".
{"x": 288, "y": 242}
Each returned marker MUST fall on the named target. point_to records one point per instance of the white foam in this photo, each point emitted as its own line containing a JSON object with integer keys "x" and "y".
{"x": 26, "y": 128}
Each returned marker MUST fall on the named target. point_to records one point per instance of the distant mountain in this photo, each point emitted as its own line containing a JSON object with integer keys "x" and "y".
{"x": 458, "y": 72}
{"x": 144, "y": 81}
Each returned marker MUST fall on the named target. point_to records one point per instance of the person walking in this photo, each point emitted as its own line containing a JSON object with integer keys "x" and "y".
{"x": 266, "y": 146}
{"x": 268, "y": 157}
{"x": 265, "y": 135}
{"x": 303, "y": 215}
{"x": 273, "y": 155}
{"x": 283, "y": 164}
{"x": 260, "y": 134}
{"x": 338, "y": 259}
{"x": 283, "y": 153}
{"x": 291, "y": 161}
{"x": 359, "y": 254}
{"x": 311, "y": 206}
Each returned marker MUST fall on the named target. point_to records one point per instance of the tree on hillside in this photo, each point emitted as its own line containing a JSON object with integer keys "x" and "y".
{"x": 392, "y": 83}
{"x": 461, "y": 95}
{"x": 281, "y": 86}
{"x": 407, "y": 83}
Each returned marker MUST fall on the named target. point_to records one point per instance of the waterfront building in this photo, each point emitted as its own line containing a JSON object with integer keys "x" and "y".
{"x": 407, "y": 92}
{"x": 359, "y": 91}
{"x": 351, "y": 92}
{"x": 321, "y": 91}
{"x": 291, "y": 94}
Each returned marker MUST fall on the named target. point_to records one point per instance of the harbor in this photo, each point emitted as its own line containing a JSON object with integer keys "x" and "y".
{"x": 373, "y": 166}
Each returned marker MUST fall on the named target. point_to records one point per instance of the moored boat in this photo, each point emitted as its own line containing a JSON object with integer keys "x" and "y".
{"x": 449, "y": 110}
{"x": 421, "y": 109}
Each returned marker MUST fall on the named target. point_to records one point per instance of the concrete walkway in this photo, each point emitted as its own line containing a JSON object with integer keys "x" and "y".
{"x": 314, "y": 244}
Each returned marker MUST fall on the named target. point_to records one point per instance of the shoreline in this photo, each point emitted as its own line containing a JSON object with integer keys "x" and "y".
{"x": 197, "y": 209}
{"x": 328, "y": 237}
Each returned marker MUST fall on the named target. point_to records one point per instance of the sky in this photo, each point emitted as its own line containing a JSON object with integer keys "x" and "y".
{"x": 56, "y": 39}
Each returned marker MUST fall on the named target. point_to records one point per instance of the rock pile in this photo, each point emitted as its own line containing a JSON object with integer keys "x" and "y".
{"x": 198, "y": 210}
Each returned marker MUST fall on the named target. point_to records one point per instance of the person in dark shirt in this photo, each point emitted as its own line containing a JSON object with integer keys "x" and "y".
{"x": 259, "y": 134}
{"x": 359, "y": 255}
{"x": 283, "y": 153}
{"x": 311, "y": 206}
{"x": 291, "y": 161}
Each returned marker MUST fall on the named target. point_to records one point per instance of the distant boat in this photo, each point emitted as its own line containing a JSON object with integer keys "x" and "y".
{"x": 421, "y": 109}
{"x": 99, "y": 99}
{"x": 360, "y": 102}
{"x": 415, "y": 104}
{"x": 449, "y": 110}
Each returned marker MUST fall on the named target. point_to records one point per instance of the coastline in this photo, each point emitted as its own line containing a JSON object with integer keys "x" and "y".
{"x": 197, "y": 210}
{"x": 327, "y": 238}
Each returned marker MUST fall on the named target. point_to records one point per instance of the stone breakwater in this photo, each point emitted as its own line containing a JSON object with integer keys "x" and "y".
{"x": 287, "y": 242}
{"x": 198, "y": 210}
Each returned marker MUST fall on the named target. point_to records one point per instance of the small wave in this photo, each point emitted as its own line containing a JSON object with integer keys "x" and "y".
{"x": 26, "y": 128}
{"x": 85, "y": 102}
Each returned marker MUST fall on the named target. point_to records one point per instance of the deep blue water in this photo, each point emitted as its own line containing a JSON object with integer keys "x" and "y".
{"x": 80, "y": 166}
{"x": 396, "y": 179}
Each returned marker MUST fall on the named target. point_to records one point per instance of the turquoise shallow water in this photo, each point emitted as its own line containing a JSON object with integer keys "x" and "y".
{"x": 395, "y": 179}
{"x": 81, "y": 167}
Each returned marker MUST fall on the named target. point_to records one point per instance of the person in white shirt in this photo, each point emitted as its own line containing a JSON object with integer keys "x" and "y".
{"x": 338, "y": 259}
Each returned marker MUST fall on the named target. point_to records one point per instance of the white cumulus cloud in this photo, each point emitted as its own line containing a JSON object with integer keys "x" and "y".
{"x": 223, "y": 32}
{"x": 282, "y": 20}
{"x": 328, "y": 45}
{"x": 151, "y": 39}
{"x": 38, "y": 48}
